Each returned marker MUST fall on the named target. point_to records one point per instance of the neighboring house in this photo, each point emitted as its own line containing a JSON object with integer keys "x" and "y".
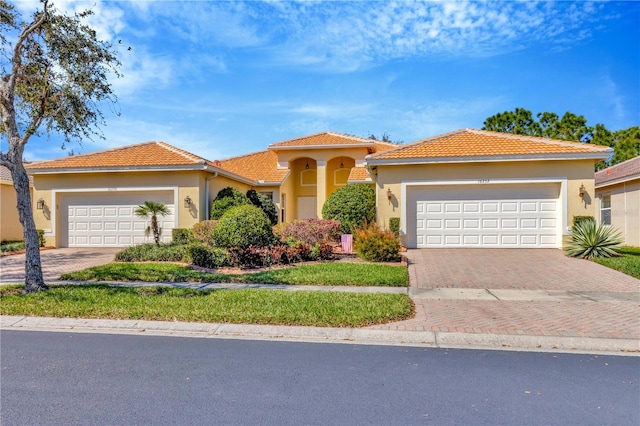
{"x": 468, "y": 188}
{"x": 618, "y": 199}
{"x": 10, "y": 227}
{"x": 90, "y": 199}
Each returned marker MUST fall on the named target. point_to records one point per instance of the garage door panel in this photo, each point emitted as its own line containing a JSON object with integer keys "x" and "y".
{"x": 108, "y": 219}
{"x": 491, "y": 216}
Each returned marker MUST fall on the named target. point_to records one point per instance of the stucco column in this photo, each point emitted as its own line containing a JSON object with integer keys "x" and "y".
{"x": 321, "y": 186}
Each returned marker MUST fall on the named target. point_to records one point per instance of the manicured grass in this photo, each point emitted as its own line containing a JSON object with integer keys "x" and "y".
{"x": 248, "y": 306}
{"x": 628, "y": 262}
{"x": 351, "y": 274}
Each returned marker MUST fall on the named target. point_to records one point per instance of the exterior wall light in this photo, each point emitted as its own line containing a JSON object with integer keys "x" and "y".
{"x": 40, "y": 204}
{"x": 583, "y": 190}
{"x": 187, "y": 201}
{"x": 389, "y": 195}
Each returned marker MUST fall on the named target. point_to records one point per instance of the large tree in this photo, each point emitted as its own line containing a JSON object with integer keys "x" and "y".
{"x": 54, "y": 76}
{"x": 569, "y": 127}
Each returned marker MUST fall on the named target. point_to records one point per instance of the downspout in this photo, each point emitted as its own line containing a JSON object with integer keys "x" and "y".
{"x": 206, "y": 196}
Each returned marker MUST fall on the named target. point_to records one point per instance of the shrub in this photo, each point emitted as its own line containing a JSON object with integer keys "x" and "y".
{"x": 226, "y": 199}
{"x": 321, "y": 251}
{"x": 394, "y": 225}
{"x": 243, "y": 226}
{"x": 152, "y": 253}
{"x": 181, "y": 235}
{"x": 375, "y": 245}
{"x": 265, "y": 204}
{"x": 208, "y": 257}
{"x": 352, "y": 205}
{"x": 589, "y": 240}
{"x": 203, "y": 232}
{"x": 41, "y": 240}
{"x": 310, "y": 231}
{"x": 578, "y": 219}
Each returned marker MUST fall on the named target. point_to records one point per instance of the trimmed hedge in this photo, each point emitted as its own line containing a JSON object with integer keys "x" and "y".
{"x": 579, "y": 219}
{"x": 353, "y": 205}
{"x": 243, "y": 226}
{"x": 208, "y": 257}
{"x": 310, "y": 231}
{"x": 394, "y": 225}
{"x": 265, "y": 204}
{"x": 203, "y": 232}
{"x": 152, "y": 253}
{"x": 226, "y": 199}
{"x": 181, "y": 235}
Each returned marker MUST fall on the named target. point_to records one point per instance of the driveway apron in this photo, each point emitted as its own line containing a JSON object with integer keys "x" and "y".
{"x": 55, "y": 262}
{"x": 535, "y": 292}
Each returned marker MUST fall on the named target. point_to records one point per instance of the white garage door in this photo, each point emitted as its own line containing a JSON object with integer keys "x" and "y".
{"x": 108, "y": 220}
{"x": 525, "y": 216}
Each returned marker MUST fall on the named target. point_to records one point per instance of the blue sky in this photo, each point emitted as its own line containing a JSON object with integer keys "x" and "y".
{"x": 226, "y": 78}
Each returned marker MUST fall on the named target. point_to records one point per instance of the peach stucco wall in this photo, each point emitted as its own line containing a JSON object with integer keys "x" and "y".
{"x": 625, "y": 209}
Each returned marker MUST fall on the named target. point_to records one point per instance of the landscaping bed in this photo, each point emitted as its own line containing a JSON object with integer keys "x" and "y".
{"x": 322, "y": 273}
{"x": 246, "y": 306}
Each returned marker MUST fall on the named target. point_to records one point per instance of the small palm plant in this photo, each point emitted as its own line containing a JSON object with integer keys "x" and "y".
{"x": 154, "y": 209}
{"x": 589, "y": 240}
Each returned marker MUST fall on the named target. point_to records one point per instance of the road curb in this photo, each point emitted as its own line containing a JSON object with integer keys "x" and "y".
{"x": 628, "y": 347}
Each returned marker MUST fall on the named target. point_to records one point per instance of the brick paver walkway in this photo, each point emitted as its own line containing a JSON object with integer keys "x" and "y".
{"x": 520, "y": 270}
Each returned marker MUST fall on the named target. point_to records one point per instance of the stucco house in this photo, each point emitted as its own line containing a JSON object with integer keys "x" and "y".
{"x": 10, "y": 227}
{"x": 618, "y": 199}
{"x": 467, "y": 188}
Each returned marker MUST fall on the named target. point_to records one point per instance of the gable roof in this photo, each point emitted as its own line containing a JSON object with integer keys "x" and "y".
{"x": 327, "y": 140}
{"x": 359, "y": 175}
{"x": 148, "y": 155}
{"x": 480, "y": 145}
{"x": 621, "y": 172}
{"x": 261, "y": 167}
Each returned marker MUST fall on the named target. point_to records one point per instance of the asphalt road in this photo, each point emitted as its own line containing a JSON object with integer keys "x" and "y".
{"x": 72, "y": 378}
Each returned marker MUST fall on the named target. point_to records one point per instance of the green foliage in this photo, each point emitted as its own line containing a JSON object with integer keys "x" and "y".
{"x": 589, "y": 240}
{"x": 152, "y": 253}
{"x": 570, "y": 127}
{"x": 352, "y": 205}
{"x": 375, "y": 245}
{"x": 243, "y": 226}
{"x": 208, "y": 257}
{"x": 203, "y": 232}
{"x": 226, "y": 199}
{"x": 41, "y": 240}
{"x": 10, "y": 246}
{"x": 265, "y": 204}
{"x": 394, "y": 225}
{"x": 181, "y": 235}
{"x": 153, "y": 209}
{"x": 310, "y": 231}
{"x": 579, "y": 219}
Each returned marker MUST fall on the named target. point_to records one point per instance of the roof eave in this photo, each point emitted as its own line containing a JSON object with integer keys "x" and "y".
{"x": 372, "y": 161}
{"x": 617, "y": 181}
{"x": 163, "y": 168}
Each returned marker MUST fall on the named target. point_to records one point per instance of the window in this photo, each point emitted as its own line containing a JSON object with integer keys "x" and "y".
{"x": 283, "y": 207}
{"x": 605, "y": 210}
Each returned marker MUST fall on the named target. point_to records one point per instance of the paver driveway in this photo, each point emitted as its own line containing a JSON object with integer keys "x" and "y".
{"x": 56, "y": 262}
{"x": 519, "y": 292}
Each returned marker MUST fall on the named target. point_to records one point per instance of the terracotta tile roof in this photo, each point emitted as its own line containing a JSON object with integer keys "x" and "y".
{"x": 148, "y": 154}
{"x": 359, "y": 174}
{"x": 5, "y": 176}
{"x": 479, "y": 143}
{"x": 621, "y": 171}
{"x": 325, "y": 139}
{"x": 258, "y": 166}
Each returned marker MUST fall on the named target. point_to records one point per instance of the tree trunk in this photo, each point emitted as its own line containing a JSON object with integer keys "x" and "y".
{"x": 34, "y": 281}
{"x": 154, "y": 228}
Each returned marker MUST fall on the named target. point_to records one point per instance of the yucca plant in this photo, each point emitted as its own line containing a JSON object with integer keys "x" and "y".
{"x": 589, "y": 240}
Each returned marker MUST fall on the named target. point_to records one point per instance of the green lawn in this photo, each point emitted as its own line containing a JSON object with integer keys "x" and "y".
{"x": 248, "y": 306}
{"x": 628, "y": 262}
{"x": 349, "y": 274}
